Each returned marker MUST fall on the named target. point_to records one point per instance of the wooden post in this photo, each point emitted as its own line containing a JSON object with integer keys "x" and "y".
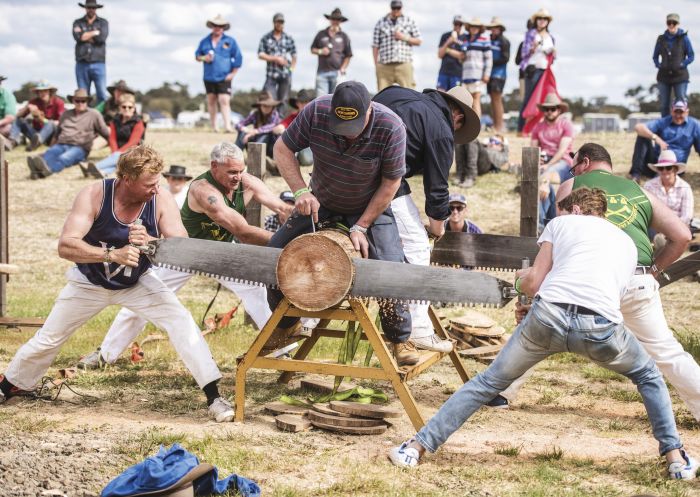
{"x": 253, "y": 211}
{"x": 529, "y": 192}
{"x": 4, "y": 225}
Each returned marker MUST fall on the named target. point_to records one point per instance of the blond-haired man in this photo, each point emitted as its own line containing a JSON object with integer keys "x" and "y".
{"x": 101, "y": 238}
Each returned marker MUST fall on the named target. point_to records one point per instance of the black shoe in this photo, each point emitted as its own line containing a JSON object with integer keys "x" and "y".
{"x": 498, "y": 402}
{"x": 38, "y": 165}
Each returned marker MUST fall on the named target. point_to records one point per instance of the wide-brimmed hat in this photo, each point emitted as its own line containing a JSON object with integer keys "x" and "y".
{"x": 336, "y": 15}
{"x": 121, "y": 86}
{"x": 2, "y": 78}
{"x": 304, "y": 96}
{"x": 667, "y": 158}
{"x": 91, "y": 4}
{"x": 80, "y": 93}
{"x": 219, "y": 21}
{"x": 264, "y": 98}
{"x": 176, "y": 171}
{"x": 541, "y": 13}
{"x": 496, "y": 23}
{"x": 553, "y": 100}
{"x": 472, "y": 124}
{"x": 44, "y": 85}
{"x": 474, "y": 21}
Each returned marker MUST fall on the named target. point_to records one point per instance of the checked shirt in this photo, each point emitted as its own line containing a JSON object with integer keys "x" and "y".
{"x": 391, "y": 50}
{"x": 283, "y": 47}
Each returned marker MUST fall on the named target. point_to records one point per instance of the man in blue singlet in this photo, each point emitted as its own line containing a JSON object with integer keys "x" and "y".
{"x": 100, "y": 235}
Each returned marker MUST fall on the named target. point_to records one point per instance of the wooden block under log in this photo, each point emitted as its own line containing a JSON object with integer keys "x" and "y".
{"x": 292, "y": 422}
{"x": 326, "y": 409}
{"x": 282, "y": 408}
{"x": 21, "y": 322}
{"x": 343, "y": 421}
{"x": 494, "y": 331}
{"x": 353, "y": 430}
{"x": 487, "y": 350}
{"x": 364, "y": 410}
{"x": 324, "y": 386}
{"x": 315, "y": 271}
{"x": 473, "y": 318}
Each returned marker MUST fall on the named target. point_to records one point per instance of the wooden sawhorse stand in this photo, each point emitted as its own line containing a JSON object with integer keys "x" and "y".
{"x": 350, "y": 310}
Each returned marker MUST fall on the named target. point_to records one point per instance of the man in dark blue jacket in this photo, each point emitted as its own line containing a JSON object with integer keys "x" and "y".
{"x": 90, "y": 33}
{"x": 673, "y": 54}
{"x": 435, "y": 120}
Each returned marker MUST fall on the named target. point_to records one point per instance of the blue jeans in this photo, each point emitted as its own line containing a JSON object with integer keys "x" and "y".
{"x": 644, "y": 153}
{"x": 60, "y": 156}
{"x": 546, "y": 330}
{"x": 268, "y": 139}
{"x": 325, "y": 82}
{"x": 548, "y": 209}
{"x": 92, "y": 72}
{"x": 680, "y": 91}
{"x": 25, "y": 126}
{"x": 562, "y": 169}
{"x": 109, "y": 164}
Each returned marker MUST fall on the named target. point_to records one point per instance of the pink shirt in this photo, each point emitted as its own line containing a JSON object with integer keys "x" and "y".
{"x": 548, "y": 136}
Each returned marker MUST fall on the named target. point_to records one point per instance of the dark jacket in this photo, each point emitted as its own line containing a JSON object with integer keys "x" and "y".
{"x": 672, "y": 55}
{"x": 429, "y": 143}
{"x": 93, "y": 50}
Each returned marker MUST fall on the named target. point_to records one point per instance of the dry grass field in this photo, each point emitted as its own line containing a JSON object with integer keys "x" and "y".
{"x": 577, "y": 430}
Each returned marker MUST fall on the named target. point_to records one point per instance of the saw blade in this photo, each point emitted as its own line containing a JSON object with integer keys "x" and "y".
{"x": 681, "y": 268}
{"x": 497, "y": 252}
{"x": 237, "y": 262}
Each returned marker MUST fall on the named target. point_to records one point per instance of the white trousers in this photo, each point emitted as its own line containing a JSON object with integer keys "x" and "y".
{"x": 80, "y": 300}
{"x": 643, "y": 315}
{"x": 416, "y": 247}
{"x": 128, "y": 324}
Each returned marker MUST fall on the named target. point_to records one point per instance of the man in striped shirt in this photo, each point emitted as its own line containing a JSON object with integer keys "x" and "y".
{"x": 359, "y": 150}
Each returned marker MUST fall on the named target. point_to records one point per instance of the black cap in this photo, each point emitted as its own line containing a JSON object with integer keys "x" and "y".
{"x": 396, "y": 4}
{"x": 349, "y": 108}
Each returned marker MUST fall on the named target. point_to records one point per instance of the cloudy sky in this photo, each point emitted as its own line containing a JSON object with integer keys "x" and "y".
{"x": 604, "y": 46}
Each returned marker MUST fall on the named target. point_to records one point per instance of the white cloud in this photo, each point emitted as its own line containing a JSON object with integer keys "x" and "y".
{"x": 16, "y": 55}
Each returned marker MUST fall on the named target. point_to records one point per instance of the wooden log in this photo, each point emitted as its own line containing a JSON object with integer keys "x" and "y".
{"x": 9, "y": 268}
{"x": 292, "y": 423}
{"x": 342, "y": 420}
{"x": 21, "y": 322}
{"x": 364, "y": 410}
{"x": 315, "y": 271}
{"x": 494, "y": 331}
{"x": 487, "y": 350}
{"x": 529, "y": 194}
{"x": 326, "y": 409}
{"x": 357, "y": 430}
{"x": 473, "y": 318}
{"x": 282, "y": 408}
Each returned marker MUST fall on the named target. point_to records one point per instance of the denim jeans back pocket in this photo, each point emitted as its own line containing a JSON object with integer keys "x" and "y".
{"x": 602, "y": 345}
{"x": 536, "y": 333}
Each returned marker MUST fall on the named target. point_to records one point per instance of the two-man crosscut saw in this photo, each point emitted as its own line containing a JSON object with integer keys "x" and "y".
{"x": 382, "y": 280}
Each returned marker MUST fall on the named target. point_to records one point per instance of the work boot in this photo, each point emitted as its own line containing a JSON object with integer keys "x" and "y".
{"x": 34, "y": 143}
{"x": 434, "y": 343}
{"x": 406, "y": 353}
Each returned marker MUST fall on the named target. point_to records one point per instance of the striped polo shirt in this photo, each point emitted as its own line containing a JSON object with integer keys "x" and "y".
{"x": 346, "y": 174}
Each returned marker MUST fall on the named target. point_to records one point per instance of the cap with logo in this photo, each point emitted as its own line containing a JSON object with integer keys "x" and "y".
{"x": 458, "y": 198}
{"x": 287, "y": 197}
{"x": 349, "y": 107}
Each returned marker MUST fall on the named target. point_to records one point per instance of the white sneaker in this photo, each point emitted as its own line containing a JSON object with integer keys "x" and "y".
{"x": 93, "y": 360}
{"x": 433, "y": 342}
{"x": 221, "y": 410}
{"x": 683, "y": 470}
{"x": 404, "y": 456}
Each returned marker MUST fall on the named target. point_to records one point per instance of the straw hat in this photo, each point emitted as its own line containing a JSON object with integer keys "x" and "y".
{"x": 264, "y": 98}
{"x": 541, "y": 13}
{"x": 667, "y": 158}
{"x": 474, "y": 21}
{"x": 219, "y": 21}
{"x": 472, "y": 124}
{"x": 553, "y": 100}
{"x": 496, "y": 23}
{"x": 44, "y": 85}
{"x": 80, "y": 93}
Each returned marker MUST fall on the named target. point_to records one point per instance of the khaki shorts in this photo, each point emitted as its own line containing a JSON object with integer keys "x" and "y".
{"x": 475, "y": 87}
{"x": 400, "y": 74}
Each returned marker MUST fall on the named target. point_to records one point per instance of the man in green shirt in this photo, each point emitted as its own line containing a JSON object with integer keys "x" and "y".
{"x": 8, "y": 109}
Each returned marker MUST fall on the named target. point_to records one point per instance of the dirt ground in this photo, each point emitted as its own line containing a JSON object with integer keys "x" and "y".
{"x": 575, "y": 431}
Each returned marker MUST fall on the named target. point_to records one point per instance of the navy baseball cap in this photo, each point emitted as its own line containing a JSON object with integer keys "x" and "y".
{"x": 287, "y": 196}
{"x": 349, "y": 107}
{"x": 458, "y": 198}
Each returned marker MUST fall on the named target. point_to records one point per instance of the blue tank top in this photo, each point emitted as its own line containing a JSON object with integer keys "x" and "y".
{"x": 108, "y": 231}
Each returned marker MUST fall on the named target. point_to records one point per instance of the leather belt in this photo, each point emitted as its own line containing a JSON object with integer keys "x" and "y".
{"x": 575, "y": 309}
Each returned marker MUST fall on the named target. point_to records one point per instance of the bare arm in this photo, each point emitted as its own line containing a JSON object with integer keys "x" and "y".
{"x": 677, "y": 234}
{"x": 263, "y": 195}
{"x": 564, "y": 191}
{"x": 645, "y": 132}
{"x": 169, "y": 220}
{"x": 375, "y": 54}
{"x": 532, "y": 278}
{"x": 206, "y": 199}
{"x": 563, "y": 145}
{"x": 379, "y": 201}
{"x": 288, "y": 166}
{"x": 442, "y": 51}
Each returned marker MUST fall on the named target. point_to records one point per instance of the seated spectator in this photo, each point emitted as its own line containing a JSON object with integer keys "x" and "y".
{"x": 672, "y": 190}
{"x": 126, "y": 130}
{"x": 8, "y": 109}
{"x": 480, "y": 157}
{"x": 273, "y": 221}
{"x": 38, "y": 120}
{"x": 177, "y": 179}
{"x": 77, "y": 128}
{"x": 258, "y": 125}
{"x": 554, "y": 135}
{"x": 305, "y": 157}
{"x": 110, "y": 107}
{"x": 677, "y": 132}
{"x": 458, "y": 213}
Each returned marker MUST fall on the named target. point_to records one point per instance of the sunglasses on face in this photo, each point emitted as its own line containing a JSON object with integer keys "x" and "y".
{"x": 678, "y": 111}
{"x": 550, "y": 109}
{"x": 127, "y": 107}
{"x": 572, "y": 168}
{"x": 458, "y": 208}
{"x": 542, "y": 19}
{"x": 279, "y": 22}
{"x": 80, "y": 101}
{"x": 396, "y": 8}
{"x": 671, "y": 23}
{"x": 665, "y": 168}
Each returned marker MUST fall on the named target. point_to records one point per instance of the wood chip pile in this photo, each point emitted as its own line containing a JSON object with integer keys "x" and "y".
{"x": 478, "y": 336}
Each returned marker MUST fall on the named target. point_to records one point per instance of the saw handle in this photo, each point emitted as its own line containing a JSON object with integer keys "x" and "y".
{"x": 127, "y": 271}
{"x": 522, "y": 298}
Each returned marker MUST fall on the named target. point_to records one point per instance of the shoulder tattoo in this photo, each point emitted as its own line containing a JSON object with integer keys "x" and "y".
{"x": 211, "y": 199}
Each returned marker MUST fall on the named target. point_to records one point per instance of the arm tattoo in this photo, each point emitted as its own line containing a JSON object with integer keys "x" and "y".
{"x": 211, "y": 199}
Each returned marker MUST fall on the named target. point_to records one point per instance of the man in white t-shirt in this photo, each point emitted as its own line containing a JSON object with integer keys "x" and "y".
{"x": 577, "y": 283}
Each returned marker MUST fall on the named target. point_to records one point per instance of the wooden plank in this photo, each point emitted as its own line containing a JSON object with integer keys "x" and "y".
{"x": 364, "y": 410}
{"x": 492, "y": 332}
{"x": 319, "y": 368}
{"x": 487, "y": 350}
{"x": 292, "y": 423}
{"x": 4, "y": 225}
{"x": 282, "y": 408}
{"x": 529, "y": 191}
{"x": 326, "y": 409}
{"x": 255, "y": 165}
{"x": 21, "y": 322}
{"x": 329, "y": 419}
{"x": 357, "y": 430}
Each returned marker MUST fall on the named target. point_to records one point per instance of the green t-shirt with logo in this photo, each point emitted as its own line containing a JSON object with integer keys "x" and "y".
{"x": 628, "y": 208}
{"x": 199, "y": 225}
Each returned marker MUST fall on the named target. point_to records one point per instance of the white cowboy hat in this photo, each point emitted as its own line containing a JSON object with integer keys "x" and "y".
{"x": 667, "y": 158}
